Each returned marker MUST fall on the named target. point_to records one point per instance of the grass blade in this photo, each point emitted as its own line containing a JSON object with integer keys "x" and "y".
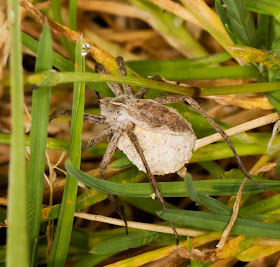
{"x": 164, "y": 23}
{"x": 17, "y": 239}
{"x": 267, "y": 7}
{"x": 225, "y": 19}
{"x": 212, "y": 204}
{"x": 134, "y": 239}
{"x": 169, "y": 189}
{"x": 66, "y": 215}
{"x": 194, "y": 72}
{"x": 54, "y": 78}
{"x": 219, "y": 222}
{"x": 38, "y": 138}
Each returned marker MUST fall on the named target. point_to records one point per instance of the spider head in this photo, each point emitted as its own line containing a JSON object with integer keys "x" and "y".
{"x": 114, "y": 108}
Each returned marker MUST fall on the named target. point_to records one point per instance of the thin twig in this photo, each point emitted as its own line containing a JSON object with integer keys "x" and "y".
{"x": 233, "y": 218}
{"x": 138, "y": 225}
{"x": 238, "y": 129}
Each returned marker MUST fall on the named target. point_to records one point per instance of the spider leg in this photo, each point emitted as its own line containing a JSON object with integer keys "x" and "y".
{"x": 87, "y": 117}
{"x": 103, "y": 166}
{"x": 134, "y": 141}
{"x": 122, "y": 71}
{"x": 114, "y": 86}
{"x": 96, "y": 139}
{"x": 196, "y": 106}
{"x": 141, "y": 92}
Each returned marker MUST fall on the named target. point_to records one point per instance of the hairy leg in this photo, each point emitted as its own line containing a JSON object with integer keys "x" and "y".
{"x": 103, "y": 166}
{"x": 141, "y": 92}
{"x": 122, "y": 71}
{"x": 105, "y": 134}
{"x": 134, "y": 140}
{"x": 195, "y": 105}
{"x": 114, "y": 86}
{"x": 87, "y": 117}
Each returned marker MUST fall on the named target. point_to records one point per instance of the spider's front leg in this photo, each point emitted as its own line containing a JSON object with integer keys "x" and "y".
{"x": 87, "y": 117}
{"x": 196, "y": 106}
{"x": 134, "y": 140}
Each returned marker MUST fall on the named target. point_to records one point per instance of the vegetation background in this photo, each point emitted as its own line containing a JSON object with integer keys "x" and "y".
{"x": 228, "y": 48}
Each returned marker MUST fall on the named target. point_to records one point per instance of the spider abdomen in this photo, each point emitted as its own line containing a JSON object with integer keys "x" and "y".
{"x": 164, "y": 152}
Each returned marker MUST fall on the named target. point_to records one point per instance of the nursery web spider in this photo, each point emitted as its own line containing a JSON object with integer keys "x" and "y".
{"x": 156, "y": 138}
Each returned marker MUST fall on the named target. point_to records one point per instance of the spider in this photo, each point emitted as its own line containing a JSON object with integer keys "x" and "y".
{"x": 156, "y": 138}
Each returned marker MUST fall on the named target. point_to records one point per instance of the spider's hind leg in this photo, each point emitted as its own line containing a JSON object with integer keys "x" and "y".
{"x": 134, "y": 140}
{"x": 196, "y": 106}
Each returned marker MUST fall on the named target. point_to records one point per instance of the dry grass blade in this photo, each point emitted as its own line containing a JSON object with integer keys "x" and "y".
{"x": 246, "y": 102}
{"x": 233, "y": 218}
{"x": 238, "y": 129}
{"x": 138, "y": 225}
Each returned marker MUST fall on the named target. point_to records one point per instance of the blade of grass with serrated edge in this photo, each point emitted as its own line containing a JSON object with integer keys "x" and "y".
{"x": 219, "y": 222}
{"x": 38, "y": 139}
{"x": 241, "y": 21}
{"x": 17, "y": 237}
{"x": 66, "y": 214}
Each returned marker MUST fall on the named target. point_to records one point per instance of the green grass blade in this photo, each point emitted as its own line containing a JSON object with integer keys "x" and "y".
{"x": 132, "y": 240}
{"x": 174, "y": 73}
{"x": 91, "y": 260}
{"x": 225, "y": 19}
{"x": 212, "y": 204}
{"x": 265, "y": 32}
{"x": 171, "y": 28}
{"x": 241, "y": 22}
{"x": 73, "y": 14}
{"x": 17, "y": 237}
{"x": 38, "y": 138}
{"x": 91, "y": 196}
{"x": 267, "y": 7}
{"x": 66, "y": 215}
{"x": 57, "y": 16}
{"x": 170, "y": 189}
{"x": 54, "y": 78}
{"x": 205, "y": 61}
{"x": 278, "y": 166}
{"x": 219, "y": 222}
